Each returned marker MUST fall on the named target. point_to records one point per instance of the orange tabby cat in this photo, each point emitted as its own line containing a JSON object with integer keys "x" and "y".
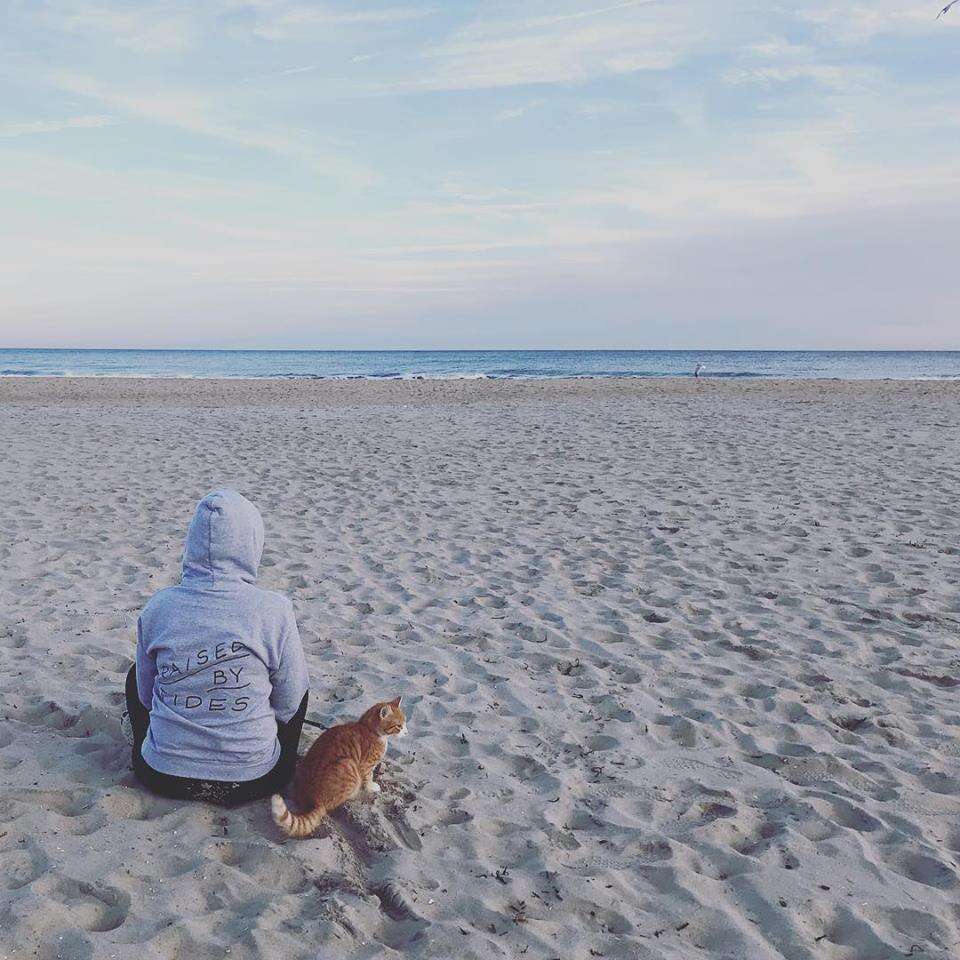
{"x": 338, "y": 766}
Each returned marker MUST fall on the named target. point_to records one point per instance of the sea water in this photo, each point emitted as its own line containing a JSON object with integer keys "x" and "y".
{"x": 452, "y": 364}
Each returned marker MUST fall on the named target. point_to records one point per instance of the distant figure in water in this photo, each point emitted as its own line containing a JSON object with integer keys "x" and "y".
{"x": 699, "y": 367}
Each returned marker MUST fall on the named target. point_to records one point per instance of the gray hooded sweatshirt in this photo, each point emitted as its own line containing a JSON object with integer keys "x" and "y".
{"x": 219, "y": 660}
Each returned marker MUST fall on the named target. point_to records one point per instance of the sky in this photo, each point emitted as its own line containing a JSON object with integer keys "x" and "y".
{"x": 534, "y": 173}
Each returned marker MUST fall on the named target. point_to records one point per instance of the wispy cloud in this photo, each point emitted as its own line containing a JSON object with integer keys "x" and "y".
{"x": 837, "y": 76}
{"x": 284, "y": 21}
{"x": 859, "y": 22}
{"x": 202, "y": 114}
{"x": 289, "y": 72}
{"x": 568, "y": 47}
{"x": 518, "y": 110}
{"x": 9, "y": 131}
{"x": 146, "y": 30}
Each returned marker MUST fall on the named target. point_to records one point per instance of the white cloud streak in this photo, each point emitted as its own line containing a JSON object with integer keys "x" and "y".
{"x": 282, "y": 21}
{"x": 200, "y": 113}
{"x": 13, "y": 130}
{"x": 571, "y": 47}
{"x": 860, "y": 23}
{"x": 145, "y": 30}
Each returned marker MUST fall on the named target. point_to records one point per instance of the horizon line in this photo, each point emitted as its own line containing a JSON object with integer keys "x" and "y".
{"x": 5, "y": 349}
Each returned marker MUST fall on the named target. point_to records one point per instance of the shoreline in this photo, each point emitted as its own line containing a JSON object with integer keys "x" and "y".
{"x": 236, "y": 391}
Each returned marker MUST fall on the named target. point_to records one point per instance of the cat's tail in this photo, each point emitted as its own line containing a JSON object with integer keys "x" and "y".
{"x": 295, "y": 824}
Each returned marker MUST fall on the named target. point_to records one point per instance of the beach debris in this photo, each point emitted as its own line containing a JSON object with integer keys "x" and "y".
{"x": 851, "y": 722}
{"x": 503, "y": 875}
{"x": 747, "y": 649}
{"x": 518, "y": 911}
{"x": 395, "y": 903}
{"x": 568, "y": 666}
{"x": 938, "y": 681}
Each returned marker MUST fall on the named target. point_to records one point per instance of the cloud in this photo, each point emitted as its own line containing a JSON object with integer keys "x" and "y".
{"x": 675, "y": 161}
{"x": 145, "y": 30}
{"x": 289, "y": 72}
{"x": 860, "y": 23}
{"x": 592, "y": 109}
{"x": 515, "y": 112}
{"x": 53, "y": 126}
{"x": 729, "y": 256}
{"x": 200, "y": 113}
{"x": 776, "y": 60}
{"x": 837, "y": 76}
{"x": 283, "y": 21}
{"x": 567, "y": 47}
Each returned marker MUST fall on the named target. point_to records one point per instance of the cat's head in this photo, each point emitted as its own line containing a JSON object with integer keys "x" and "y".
{"x": 387, "y": 718}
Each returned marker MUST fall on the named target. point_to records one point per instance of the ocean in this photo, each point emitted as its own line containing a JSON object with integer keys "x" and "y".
{"x": 453, "y": 364}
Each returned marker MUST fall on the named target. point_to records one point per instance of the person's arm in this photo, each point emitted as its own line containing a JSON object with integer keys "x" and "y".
{"x": 146, "y": 670}
{"x": 291, "y": 679}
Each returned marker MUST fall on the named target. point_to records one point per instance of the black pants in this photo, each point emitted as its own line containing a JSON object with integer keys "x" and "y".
{"x": 225, "y": 793}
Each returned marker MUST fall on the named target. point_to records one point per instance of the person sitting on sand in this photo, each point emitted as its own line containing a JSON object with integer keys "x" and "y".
{"x": 218, "y": 693}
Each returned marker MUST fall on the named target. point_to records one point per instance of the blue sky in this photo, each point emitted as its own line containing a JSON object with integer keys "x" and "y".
{"x": 281, "y": 173}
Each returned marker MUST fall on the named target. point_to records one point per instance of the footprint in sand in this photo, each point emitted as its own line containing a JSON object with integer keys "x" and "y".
{"x": 13, "y": 638}
{"x": 70, "y": 944}
{"x": 63, "y": 802}
{"x": 21, "y": 864}
{"x": 841, "y": 928}
{"x": 837, "y": 810}
{"x": 95, "y": 907}
{"x": 923, "y": 869}
{"x": 135, "y": 805}
{"x": 261, "y": 863}
{"x": 654, "y": 851}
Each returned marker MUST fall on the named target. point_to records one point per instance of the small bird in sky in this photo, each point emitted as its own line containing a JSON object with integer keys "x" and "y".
{"x": 946, "y": 9}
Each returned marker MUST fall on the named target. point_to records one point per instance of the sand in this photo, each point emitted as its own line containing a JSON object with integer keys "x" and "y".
{"x": 680, "y": 660}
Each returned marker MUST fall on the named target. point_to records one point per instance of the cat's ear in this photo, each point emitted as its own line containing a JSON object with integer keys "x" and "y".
{"x": 385, "y": 711}
{"x": 396, "y": 701}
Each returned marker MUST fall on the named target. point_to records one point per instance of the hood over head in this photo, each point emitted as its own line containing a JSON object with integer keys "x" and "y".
{"x": 225, "y": 540}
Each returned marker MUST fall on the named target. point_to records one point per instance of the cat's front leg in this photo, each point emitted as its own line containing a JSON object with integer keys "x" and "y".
{"x": 370, "y": 785}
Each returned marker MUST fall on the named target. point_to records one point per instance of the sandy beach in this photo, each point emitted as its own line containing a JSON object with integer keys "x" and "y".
{"x": 681, "y": 663}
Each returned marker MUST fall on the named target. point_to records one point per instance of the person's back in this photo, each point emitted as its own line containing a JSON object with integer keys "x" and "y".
{"x": 219, "y": 664}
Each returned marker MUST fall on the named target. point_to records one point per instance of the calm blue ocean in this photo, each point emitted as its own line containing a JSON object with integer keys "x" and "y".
{"x": 845, "y": 365}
